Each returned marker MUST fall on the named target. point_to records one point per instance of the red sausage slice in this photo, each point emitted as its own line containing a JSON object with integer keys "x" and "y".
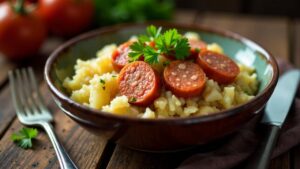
{"x": 184, "y": 78}
{"x": 196, "y": 46}
{"x": 120, "y": 56}
{"x": 139, "y": 82}
{"x": 218, "y": 66}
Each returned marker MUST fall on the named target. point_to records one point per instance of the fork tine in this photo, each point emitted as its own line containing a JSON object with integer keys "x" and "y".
{"x": 28, "y": 91}
{"x": 40, "y": 101}
{"x": 16, "y": 100}
{"x": 21, "y": 93}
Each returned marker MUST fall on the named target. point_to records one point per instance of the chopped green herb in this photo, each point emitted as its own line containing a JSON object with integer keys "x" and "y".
{"x": 132, "y": 99}
{"x": 169, "y": 43}
{"x": 166, "y": 63}
{"x": 102, "y": 81}
{"x": 24, "y": 137}
{"x": 113, "y": 75}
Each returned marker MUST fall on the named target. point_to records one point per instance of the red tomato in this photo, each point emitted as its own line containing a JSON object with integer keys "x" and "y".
{"x": 21, "y": 35}
{"x": 66, "y": 17}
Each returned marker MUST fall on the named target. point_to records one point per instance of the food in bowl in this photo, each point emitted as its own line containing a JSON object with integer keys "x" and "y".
{"x": 162, "y": 75}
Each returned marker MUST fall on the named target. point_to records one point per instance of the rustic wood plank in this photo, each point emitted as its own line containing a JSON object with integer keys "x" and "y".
{"x": 296, "y": 38}
{"x": 185, "y": 16}
{"x": 267, "y": 31}
{"x": 5, "y": 66}
{"x": 271, "y": 7}
{"x": 281, "y": 162}
{"x": 6, "y": 115}
{"x": 296, "y": 157}
{"x": 84, "y": 148}
{"x": 271, "y": 33}
{"x": 126, "y": 158}
{"x": 211, "y": 5}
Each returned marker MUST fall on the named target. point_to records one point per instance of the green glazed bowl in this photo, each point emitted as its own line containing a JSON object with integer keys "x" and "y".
{"x": 160, "y": 134}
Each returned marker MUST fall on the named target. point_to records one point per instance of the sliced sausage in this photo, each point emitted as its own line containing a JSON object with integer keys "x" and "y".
{"x": 218, "y": 66}
{"x": 184, "y": 78}
{"x": 139, "y": 82}
{"x": 196, "y": 46}
{"x": 120, "y": 56}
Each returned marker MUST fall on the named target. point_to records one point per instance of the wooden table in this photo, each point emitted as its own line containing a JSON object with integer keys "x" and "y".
{"x": 279, "y": 35}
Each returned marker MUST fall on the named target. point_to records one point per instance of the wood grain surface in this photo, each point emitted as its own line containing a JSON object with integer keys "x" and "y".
{"x": 84, "y": 148}
{"x": 89, "y": 151}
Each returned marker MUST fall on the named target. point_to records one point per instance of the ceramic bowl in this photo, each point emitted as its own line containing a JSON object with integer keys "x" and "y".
{"x": 159, "y": 135}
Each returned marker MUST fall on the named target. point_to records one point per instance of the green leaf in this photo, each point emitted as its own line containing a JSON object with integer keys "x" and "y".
{"x": 182, "y": 49}
{"x": 170, "y": 43}
{"x": 151, "y": 56}
{"x": 170, "y": 37}
{"x": 143, "y": 39}
{"x": 25, "y": 143}
{"x": 137, "y": 46}
{"x": 102, "y": 81}
{"x": 134, "y": 56}
{"x": 24, "y": 136}
{"x": 152, "y": 31}
{"x": 136, "y": 51}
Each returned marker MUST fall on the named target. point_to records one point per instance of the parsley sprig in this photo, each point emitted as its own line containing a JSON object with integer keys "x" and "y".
{"x": 168, "y": 43}
{"x": 24, "y": 136}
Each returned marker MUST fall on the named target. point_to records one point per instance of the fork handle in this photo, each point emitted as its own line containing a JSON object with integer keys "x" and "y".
{"x": 63, "y": 158}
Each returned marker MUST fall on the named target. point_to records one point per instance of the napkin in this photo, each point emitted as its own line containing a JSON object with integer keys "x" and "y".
{"x": 244, "y": 142}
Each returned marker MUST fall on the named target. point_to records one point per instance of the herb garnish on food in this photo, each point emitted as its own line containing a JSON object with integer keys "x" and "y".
{"x": 169, "y": 43}
{"x": 132, "y": 99}
{"x": 24, "y": 137}
{"x": 102, "y": 81}
{"x": 166, "y": 63}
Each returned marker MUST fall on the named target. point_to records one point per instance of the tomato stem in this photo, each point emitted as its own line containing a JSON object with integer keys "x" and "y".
{"x": 19, "y": 7}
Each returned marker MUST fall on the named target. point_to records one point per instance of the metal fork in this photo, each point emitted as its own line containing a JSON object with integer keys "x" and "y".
{"x": 31, "y": 110}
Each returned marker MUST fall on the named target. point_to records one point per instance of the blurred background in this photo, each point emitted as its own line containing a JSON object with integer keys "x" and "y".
{"x": 25, "y": 25}
{"x": 289, "y": 8}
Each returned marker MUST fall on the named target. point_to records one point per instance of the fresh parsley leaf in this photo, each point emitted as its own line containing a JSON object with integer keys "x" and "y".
{"x": 153, "y": 32}
{"x": 24, "y": 137}
{"x": 182, "y": 48}
{"x": 171, "y": 37}
{"x": 137, "y": 46}
{"x": 102, "y": 81}
{"x": 137, "y": 51}
{"x": 143, "y": 39}
{"x": 150, "y": 55}
{"x": 172, "y": 43}
{"x": 160, "y": 44}
{"x": 169, "y": 43}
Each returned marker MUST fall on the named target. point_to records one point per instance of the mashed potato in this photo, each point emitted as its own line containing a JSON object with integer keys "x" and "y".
{"x": 95, "y": 85}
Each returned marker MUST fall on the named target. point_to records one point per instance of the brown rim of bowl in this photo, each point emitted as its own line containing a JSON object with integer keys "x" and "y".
{"x": 195, "y": 119}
